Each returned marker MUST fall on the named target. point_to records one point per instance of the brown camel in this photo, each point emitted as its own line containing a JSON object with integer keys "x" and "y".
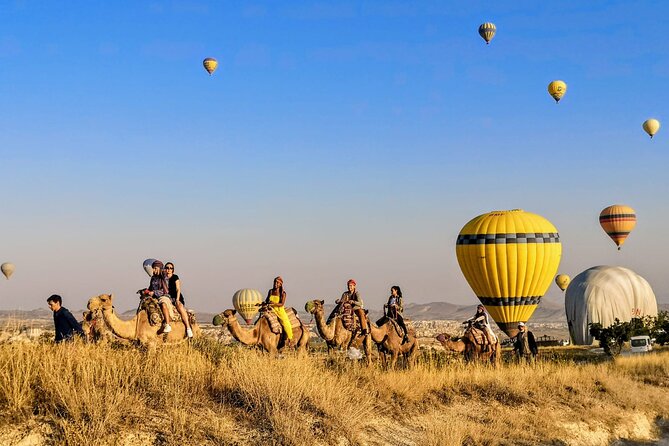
{"x": 261, "y": 335}
{"x": 471, "y": 350}
{"x": 389, "y": 342}
{"x": 138, "y": 329}
{"x": 336, "y": 336}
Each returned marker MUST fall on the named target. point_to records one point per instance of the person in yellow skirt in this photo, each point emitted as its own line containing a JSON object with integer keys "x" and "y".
{"x": 276, "y": 298}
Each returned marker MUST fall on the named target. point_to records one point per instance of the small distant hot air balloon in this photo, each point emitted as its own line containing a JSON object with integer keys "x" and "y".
{"x": 7, "y": 269}
{"x": 509, "y": 259}
{"x": 651, "y": 126}
{"x": 562, "y": 281}
{"x": 487, "y": 31}
{"x": 148, "y": 266}
{"x": 618, "y": 221}
{"x": 246, "y": 303}
{"x": 210, "y": 64}
{"x": 557, "y": 89}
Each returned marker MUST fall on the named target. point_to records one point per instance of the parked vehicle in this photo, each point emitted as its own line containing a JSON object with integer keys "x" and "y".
{"x": 640, "y": 344}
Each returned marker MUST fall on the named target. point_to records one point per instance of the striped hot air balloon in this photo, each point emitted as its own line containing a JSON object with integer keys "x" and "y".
{"x": 618, "y": 221}
{"x": 245, "y": 302}
{"x": 509, "y": 259}
{"x": 557, "y": 89}
{"x": 210, "y": 64}
{"x": 487, "y": 31}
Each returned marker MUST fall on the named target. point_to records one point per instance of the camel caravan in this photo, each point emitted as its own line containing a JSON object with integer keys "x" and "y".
{"x": 163, "y": 319}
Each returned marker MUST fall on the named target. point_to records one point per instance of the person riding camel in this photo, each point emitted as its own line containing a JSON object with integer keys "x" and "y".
{"x": 353, "y": 297}
{"x": 481, "y": 321}
{"x": 395, "y": 308}
{"x": 276, "y": 299}
{"x": 158, "y": 290}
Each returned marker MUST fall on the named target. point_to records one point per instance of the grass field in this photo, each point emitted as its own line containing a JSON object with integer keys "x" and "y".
{"x": 211, "y": 394}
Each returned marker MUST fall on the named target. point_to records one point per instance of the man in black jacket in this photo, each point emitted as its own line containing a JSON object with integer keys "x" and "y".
{"x": 66, "y": 325}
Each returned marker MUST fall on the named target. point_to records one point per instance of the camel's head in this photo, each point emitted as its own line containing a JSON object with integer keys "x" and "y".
{"x": 445, "y": 337}
{"x": 100, "y": 302}
{"x": 314, "y": 306}
{"x": 224, "y": 318}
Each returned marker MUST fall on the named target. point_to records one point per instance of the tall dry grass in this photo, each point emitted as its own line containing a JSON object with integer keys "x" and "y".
{"x": 210, "y": 394}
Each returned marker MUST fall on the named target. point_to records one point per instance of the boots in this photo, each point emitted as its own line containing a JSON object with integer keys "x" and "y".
{"x": 362, "y": 317}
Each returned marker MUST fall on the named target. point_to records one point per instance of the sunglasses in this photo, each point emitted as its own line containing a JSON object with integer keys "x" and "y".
{"x": 169, "y": 267}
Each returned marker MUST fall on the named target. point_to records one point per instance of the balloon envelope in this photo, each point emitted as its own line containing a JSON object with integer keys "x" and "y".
{"x": 210, "y": 64}
{"x": 651, "y": 126}
{"x": 147, "y": 266}
{"x": 7, "y": 269}
{"x": 487, "y": 31}
{"x": 618, "y": 221}
{"x": 245, "y": 302}
{"x": 557, "y": 89}
{"x": 562, "y": 281}
{"x": 509, "y": 259}
{"x": 602, "y": 294}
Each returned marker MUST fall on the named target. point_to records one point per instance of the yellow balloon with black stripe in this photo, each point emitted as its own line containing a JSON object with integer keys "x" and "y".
{"x": 618, "y": 221}
{"x": 557, "y": 89}
{"x": 487, "y": 31}
{"x": 509, "y": 259}
{"x": 210, "y": 64}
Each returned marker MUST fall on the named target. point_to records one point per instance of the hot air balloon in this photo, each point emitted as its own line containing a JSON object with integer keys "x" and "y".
{"x": 246, "y": 303}
{"x": 602, "y": 294}
{"x": 562, "y": 281}
{"x": 487, "y": 31}
{"x": 557, "y": 89}
{"x": 148, "y": 266}
{"x": 509, "y": 259}
{"x": 651, "y": 126}
{"x": 7, "y": 269}
{"x": 618, "y": 221}
{"x": 210, "y": 64}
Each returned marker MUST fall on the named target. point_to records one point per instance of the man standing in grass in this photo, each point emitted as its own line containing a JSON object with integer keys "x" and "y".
{"x": 524, "y": 344}
{"x": 66, "y": 325}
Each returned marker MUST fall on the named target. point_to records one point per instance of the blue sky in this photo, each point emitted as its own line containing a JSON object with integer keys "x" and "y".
{"x": 335, "y": 140}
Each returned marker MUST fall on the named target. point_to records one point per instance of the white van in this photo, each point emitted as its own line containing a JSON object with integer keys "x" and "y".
{"x": 640, "y": 344}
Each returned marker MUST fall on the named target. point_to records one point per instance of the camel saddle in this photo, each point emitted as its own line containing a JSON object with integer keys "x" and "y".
{"x": 394, "y": 324}
{"x": 155, "y": 314}
{"x": 275, "y": 324}
{"x": 476, "y": 335}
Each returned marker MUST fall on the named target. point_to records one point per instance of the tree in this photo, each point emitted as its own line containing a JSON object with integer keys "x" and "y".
{"x": 613, "y": 337}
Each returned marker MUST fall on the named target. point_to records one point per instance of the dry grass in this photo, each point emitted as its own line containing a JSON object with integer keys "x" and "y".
{"x": 210, "y": 394}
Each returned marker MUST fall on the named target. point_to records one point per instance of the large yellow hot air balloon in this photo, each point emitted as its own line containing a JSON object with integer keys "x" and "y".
{"x": 246, "y": 303}
{"x": 618, "y": 221}
{"x": 509, "y": 259}
{"x": 7, "y": 269}
{"x": 487, "y": 31}
{"x": 651, "y": 126}
{"x": 562, "y": 281}
{"x": 210, "y": 64}
{"x": 557, "y": 89}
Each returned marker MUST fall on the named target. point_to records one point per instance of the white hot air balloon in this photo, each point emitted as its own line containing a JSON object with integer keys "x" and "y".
{"x": 147, "y": 265}
{"x": 246, "y": 303}
{"x": 602, "y": 294}
{"x": 7, "y": 269}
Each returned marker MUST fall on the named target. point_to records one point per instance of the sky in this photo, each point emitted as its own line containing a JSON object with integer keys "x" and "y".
{"x": 336, "y": 140}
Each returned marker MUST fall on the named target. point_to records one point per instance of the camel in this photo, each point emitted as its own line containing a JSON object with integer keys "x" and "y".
{"x": 95, "y": 328}
{"x": 261, "y": 335}
{"x": 138, "y": 329}
{"x": 471, "y": 350}
{"x": 389, "y": 342}
{"x": 336, "y": 336}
